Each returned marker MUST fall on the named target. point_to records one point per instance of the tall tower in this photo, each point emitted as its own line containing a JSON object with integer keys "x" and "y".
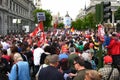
{"x": 67, "y": 21}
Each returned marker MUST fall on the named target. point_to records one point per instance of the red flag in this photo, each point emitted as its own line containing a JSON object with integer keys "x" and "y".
{"x": 72, "y": 29}
{"x": 34, "y": 32}
{"x": 42, "y": 39}
{"x": 55, "y": 25}
{"x": 37, "y": 29}
{"x": 40, "y": 26}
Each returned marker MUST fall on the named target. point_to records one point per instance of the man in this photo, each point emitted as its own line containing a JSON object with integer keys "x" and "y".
{"x": 105, "y": 71}
{"x": 37, "y": 56}
{"x": 114, "y": 50}
{"x": 79, "y": 66}
{"x": 51, "y": 72}
{"x": 20, "y": 70}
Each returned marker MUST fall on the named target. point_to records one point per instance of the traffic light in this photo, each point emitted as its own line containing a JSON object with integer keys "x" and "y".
{"x": 107, "y": 13}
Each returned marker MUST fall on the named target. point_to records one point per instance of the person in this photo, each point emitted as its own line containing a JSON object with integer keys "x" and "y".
{"x": 105, "y": 71}
{"x": 92, "y": 75}
{"x": 45, "y": 64}
{"x": 114, "y": 50}
{"x": 64, "y": 66}
{"x": 47, "y": 51}
{"x": 51, "y": 72}
{"x": 79, "y": 66}
{"x": 71, "y": 57}
{"x": 36, "y": 58}
{"x": 20, "y": 70}
{"x": 3, "y": 67}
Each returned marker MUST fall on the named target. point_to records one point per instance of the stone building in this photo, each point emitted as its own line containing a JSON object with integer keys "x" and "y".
{"x": 91, "y": 8}
{"x": 15, "y": 15}
{"x": 37, "y": 3}
{"x": 114, "y": 5}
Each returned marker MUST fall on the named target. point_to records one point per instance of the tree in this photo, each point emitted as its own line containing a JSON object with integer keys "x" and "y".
{"x": 47, "y": 22}
{"x": 91, "y": 20}
{"x": 88, "y": 22}
{"x": 117, "y": 14}
{"x": 60, "y": 25}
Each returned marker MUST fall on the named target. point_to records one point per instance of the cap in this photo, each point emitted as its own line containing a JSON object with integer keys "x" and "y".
{"x": 108, "y": 59}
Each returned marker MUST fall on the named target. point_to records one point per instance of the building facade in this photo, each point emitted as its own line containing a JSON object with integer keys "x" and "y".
{"x": 114, "y": 5}
{"x": 37, "y": 4}
{"x": 91, "y": 8}
{"x": 15, "y": 14}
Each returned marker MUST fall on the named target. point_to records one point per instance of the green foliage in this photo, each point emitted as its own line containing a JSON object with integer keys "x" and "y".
{"x": 47, "y": 22}
{"x": 77, "y": 24}
{"x": 117, "y": 14}
{"x": 87, "y": 22}
{"x": 60, "y": 25}
{"x": 91, "y": 21}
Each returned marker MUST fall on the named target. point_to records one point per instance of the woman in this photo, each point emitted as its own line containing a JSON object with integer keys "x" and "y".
{"x": 20, "y": 70}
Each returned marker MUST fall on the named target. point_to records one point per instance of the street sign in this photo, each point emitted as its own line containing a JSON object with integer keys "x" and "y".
{"x": 41, "y": 16}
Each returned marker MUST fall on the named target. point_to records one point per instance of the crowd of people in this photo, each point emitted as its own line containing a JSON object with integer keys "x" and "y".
{"x": 61, "y": 56}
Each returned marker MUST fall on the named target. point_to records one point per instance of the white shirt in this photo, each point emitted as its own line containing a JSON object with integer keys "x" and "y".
{"x": 37, "y": 55}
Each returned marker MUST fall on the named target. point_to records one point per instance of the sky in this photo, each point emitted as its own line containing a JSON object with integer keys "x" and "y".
{"x": 62, "y": 6}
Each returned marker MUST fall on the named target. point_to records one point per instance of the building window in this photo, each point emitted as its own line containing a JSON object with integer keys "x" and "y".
{"x": 6, "y": 2}
{"x": 10, "y": 5}
{"x": 16, "y": 8}
{"x": 0, "y": 2}
{"x": 13, "y": 6}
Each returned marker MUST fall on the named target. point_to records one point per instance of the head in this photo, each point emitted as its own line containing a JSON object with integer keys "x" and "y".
{"x": 79, "y": 63}
{"x": 114, "y": 35}
{"x": 53, "y": 60}
{"x": 4, "y": 51}
{"x": 92, "y": 75}
{"x": 47, "y": 49}
{"x": 86, "y": 56}
{"x": 13, "y": 49}
{"x": 46, "y": 61}
{"x": 64, "y": 64}
{"x": 107, "y": 59}
{"x": 17, "y": 57}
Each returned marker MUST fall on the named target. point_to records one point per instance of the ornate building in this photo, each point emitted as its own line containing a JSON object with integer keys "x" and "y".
{"x": 114, "y": 4}
{"x": 37, "y": 3}
{"x": 15, "y": 14}
{"x": 91, "y": 8}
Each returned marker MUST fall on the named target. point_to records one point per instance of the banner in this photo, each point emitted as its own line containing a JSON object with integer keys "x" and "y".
{"x": 101, "y": 32}
{"x": 38, "y": 29}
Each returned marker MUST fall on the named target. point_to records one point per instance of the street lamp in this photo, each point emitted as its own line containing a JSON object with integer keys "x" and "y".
{"x": 113, "y": 18}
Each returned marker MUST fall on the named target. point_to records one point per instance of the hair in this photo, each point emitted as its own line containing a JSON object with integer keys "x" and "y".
{"x": 14, "y": 49}
{"x": 64, "y": 64}
{"x": 35, "y": 46}
{"x": 79, "y": 60}
{"x": 47, "y": 49}
{"x": 4, "y": 51}
{"x": 53, "y": 58}
{"x": 86, "y": 46}
{"x": 92, "y": 75}
{"x": 1, "y": 46}
{"x": 46, "y": 61}
{"x": 17, "y": 57}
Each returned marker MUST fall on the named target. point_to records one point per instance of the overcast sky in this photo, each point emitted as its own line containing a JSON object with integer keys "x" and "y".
{"x": 62, "y": 6}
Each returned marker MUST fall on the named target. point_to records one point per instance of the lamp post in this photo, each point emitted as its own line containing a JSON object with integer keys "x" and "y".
{"x": 113, "y": 18}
